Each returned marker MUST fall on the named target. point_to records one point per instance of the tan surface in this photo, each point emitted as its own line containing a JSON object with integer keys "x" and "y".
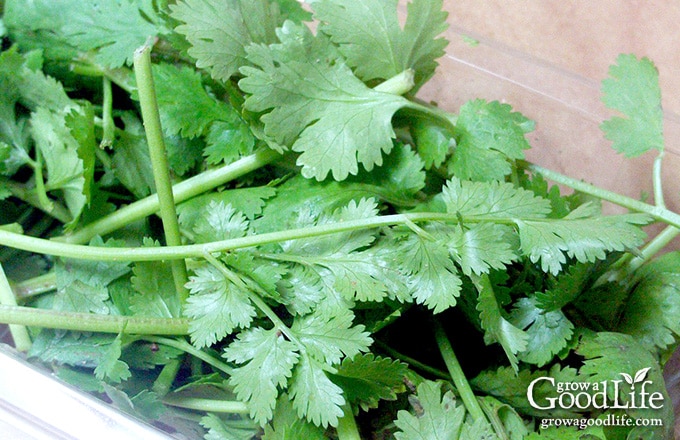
{"x": 547, "y": 58}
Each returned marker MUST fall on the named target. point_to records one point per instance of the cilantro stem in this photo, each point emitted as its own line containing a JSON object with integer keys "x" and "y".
{"x": 657, "y": 212}
{"x": 207, "y": 405}
{"x": 90, "y": 322}
{"x": 412, "y": 362}
{"x": 161, "y": 386}
{"x": 182, "y": 344}
{"x": 22, "y": 341}
{"x": 159, "y": 162}
{"x": 182, "y": 191}
{"x": 108, "y": 126}
{"x": 460, "y": 381}
{"x": 36, "y": 286}
{"x": 347, "y": 428}
{"x": 399, "y": 84}
{"x": 56, "y": 210}
{"x": 657, "y": 181}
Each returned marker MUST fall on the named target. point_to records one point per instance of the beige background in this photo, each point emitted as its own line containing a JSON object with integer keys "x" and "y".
{"x": 547, "y": 58}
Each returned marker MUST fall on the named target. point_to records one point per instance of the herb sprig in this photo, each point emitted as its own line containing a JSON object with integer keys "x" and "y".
{"x": 315, "y": 218}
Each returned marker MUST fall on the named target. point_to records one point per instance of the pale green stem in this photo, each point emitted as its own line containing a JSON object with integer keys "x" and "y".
{"x": 36, "y": 286}
{"x": 182, "y": 191}
{"x": 207, "y": 405}
{"x": 90, "y": 322}
{"x": 159, "y": 162}
{"x": 186, "y": 347}
{"x": 657, "y": 212}
{"x": 163, "y": 383}
{"x": 56, "y": 210}
{"x": 347, "y": 426}
{"x": 658, "y": 181}
{"x": 101, "y": 253}
{"x": 20, "y": 336}
{"x": 457, "y": 376}
{"x": 108, "y": 126}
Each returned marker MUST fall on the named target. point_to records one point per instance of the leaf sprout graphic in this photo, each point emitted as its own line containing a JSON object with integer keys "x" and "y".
{"x": 639, "y": 376}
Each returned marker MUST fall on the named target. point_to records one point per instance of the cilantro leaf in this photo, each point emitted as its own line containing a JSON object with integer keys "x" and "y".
{"x": 269, "y": 359}
{"x": 185, "y": 106}
{"x": 497, "y": 328}
{"x": 156, "y": 294}
{"x": 548, "y": 332}
{"x": 480, "y": 247}
{"x": 111, "y": 367}
{"x": 490, "y": 134}
{"x": 652, "y": 312}
{"x": 565, "y": 288}
{"x": 327, "y": 339}
{"x": 433, "y": 277}
{"x": 633, "y": 89}
{"x": 65, "y": 169}
{"x": 219, "y": 32}
{"x": 510, "y": 386}
{"x": 320, "y": 109}
{"x": 578, "y": 236}
{"x": 219, "y": 429}
{"x": 115, "y": 28}
{"x": 219, "y": 222}
{"x": 492, "y": 199}
{"x": 372, "y": 40}
{"x": 286, "y": 425}
{"x": 367, "y": 379}
{"x": 314, "y": 396}
{"x": 432, "y": 142}
{"x": 216, "y": 306}
{"x": 441, "y": 418}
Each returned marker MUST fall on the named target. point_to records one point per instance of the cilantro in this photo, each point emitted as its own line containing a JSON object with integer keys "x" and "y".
{"x": 269, "y": 362}
{"x": 491, "y": 135}
{"x": 316, "y": 218}
{"x": 440, "y": 417}
{"x": 633, "y": 89}
{"x": 374, "y": 43}
{"x": 216, "y": 305}
{"x": 304, "y": 98}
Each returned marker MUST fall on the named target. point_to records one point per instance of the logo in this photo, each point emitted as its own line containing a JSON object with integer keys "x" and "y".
{"x": 629, "y": 392}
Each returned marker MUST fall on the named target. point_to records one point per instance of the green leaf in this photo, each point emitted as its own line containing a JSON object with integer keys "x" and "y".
{"x": 219, "y": 31}
{"x": 548, "y": 332}
{"x": 320, "y": 109}
{"x": 114, "y": 28}
{"x": 492, "y": 200}
{"x": 156, "y": 294}
{"x": 216, "y": 306}
{"x": 441, "y": 418}
{"x": 220, "y": 429}
{"x": 71, "y": 348}
{"x": 327, "y": 339}
{"x": 59, "y": 149}
{"x": 184, "y": 104}
{"x": 249, "y": 201}
{"x": 433, "y": 277}
{"x": 269, "y": 359}
{"x": 111, "y": 368}
{"x": 566, "y": 287}
{"x": 219, "y": 222}
{"x": 652, "y": 313}
{"x": 510, "y": 386}
{"x": 513, "y": 423}
{"x": 315, "y": 397}
{"x": 367, "y": 379}
{"x": 131, "y": 162}
{"x": 586, "y": 239}
{"x": 433, "y": 142}
{"x": 482, "y": 247}
{"x": 490, "y": 135}
{"x": 375, "y": 44}
{"x": 633, "y": 89}
{"x": 608, "y": 356}
{"x": 228, "y": 141}
{"x": 286, "y": 425}
{"x": 497, "y": 328}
